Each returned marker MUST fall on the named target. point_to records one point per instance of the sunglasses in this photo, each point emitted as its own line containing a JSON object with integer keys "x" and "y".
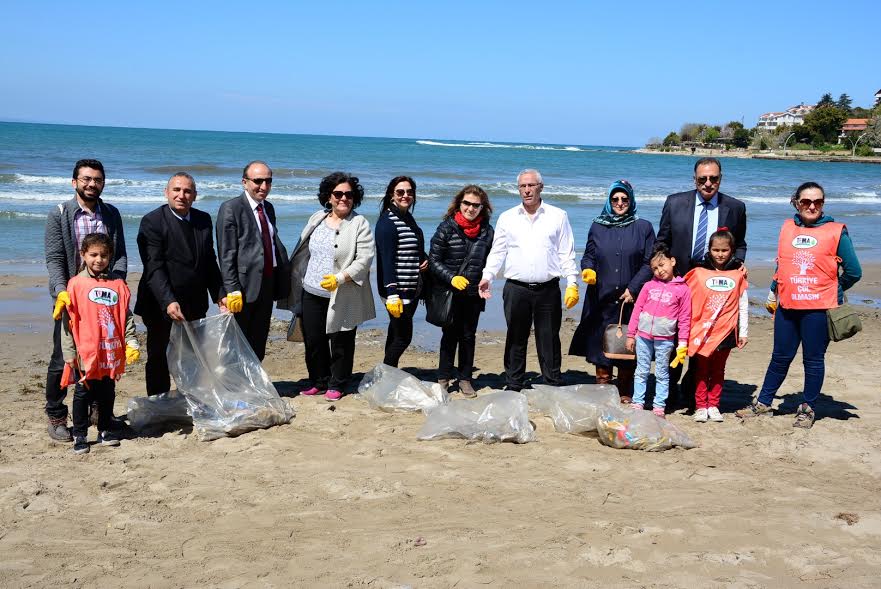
{"x": 340, "y": 195}
{"x": 473, "y": 205}
{"x": 712, "y": 179}
{"x": 621, "y": 199}
{"x": 806, "y": 202}
{"x": 259, "y": 181}
{"x": 402, "y": 192}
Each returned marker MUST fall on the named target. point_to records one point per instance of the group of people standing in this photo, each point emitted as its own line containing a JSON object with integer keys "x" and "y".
{"x": 681, "y": 292}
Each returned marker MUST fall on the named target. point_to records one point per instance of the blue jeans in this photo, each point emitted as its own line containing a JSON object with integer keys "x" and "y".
{"x": 646, "y": 350}
{"x": 792, "y": 328}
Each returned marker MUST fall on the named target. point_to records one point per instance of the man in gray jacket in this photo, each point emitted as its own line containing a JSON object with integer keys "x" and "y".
{"x": 67, "y": 225}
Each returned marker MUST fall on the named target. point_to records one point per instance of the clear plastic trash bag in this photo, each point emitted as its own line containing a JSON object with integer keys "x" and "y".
{"x": 226, "y": 388}
{"x": 500, "y": 416}
{"x": 574, "y": 409}
{"x": 638, "y": 429}
{"x": 390, "y": 389}
{"x": 156, "y": 410}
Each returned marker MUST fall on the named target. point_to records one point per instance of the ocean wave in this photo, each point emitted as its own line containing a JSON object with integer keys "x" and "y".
{"x": 193, "y": 169}
{"x": 21, "y": 215}
{"x": 486, "y": 144}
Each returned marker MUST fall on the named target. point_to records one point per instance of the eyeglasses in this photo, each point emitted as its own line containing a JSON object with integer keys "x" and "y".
{"x": 473, "y": 205}
{"x": 712, "y": 179}
{"x": 340, "y": 195}
{"x": 621, "y": 199}
{"x": 525, "y": 186}
{"x": 806, "y": 202}
{"x": 402, "y": 192}
{"x": 88, "y": 180}
{"x": 259, "y": 181}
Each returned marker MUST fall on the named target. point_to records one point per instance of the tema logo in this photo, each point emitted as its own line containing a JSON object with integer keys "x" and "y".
{"x": 804, "y": 242}
{"x": 720, "y": 284}
{"x": 104, "y": 296}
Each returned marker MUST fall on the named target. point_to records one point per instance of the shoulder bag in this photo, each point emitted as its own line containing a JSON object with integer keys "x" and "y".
{"x": 439, "y": 303}
{"x": 843, "y": 322}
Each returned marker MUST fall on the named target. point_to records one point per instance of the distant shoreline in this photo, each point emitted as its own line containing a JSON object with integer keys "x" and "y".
{"x": 765, "y": 156}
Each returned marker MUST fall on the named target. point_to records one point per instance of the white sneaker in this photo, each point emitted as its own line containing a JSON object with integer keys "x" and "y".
{"x": 714, "y": 415}
{"x": 700, "y": 415}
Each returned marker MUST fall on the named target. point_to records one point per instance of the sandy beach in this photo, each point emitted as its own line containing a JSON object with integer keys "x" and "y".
{"x": 345, "y": 496}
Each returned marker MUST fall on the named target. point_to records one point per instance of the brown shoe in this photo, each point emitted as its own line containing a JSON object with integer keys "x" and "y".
{"x": 466, "y": 389}
{"x": 604, "y": 374}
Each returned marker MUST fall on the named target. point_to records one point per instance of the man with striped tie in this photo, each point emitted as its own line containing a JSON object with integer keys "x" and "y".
{"x": 687, "y": 221}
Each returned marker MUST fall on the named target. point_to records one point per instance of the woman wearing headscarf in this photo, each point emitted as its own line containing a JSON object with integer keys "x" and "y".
{"x": 615, "y": 266}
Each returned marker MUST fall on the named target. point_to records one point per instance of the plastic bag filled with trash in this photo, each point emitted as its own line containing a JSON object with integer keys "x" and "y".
{"x": 639, "y": 430}
{"x": 157, "y": 410}
{"x": 226, "y": 388}
{"x": 500, "y": 416}
{"x": 574, "y": 409}
{"x": 390, "y": 389}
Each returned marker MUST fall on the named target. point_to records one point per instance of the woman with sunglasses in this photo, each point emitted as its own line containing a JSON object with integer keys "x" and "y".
{"x": 615, "y": 266}
{"x": 400, "y": 263}
{"x": 330, "y": 284}
{"x": 465, "y": 233}
{"x": 816, "y": 263}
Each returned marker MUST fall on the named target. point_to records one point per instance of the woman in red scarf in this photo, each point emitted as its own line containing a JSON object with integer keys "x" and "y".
{"x": 456, "y": 259}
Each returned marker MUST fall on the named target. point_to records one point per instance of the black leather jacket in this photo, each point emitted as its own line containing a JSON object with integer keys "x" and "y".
{"x": 448, "y": 249}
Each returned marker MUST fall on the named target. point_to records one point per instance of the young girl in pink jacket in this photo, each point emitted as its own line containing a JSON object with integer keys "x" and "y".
{"x": 662, "y": 308}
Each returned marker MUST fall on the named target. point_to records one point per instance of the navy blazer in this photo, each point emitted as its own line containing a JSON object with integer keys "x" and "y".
{"x": 677, "y": 226}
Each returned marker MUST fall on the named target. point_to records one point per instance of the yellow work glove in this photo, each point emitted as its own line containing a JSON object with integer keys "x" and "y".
{"x": 681, "y": 353}
{"x": 570, "y": 299}
{"x": 234, "y": 301}
{"x": 61, "y": 301}
{"x": 459, "y": 282}
{"x": 395, "y": 306}
{"x": 770, "y": 303}
{"x": 589, "y": 276}
{"x": 132, "y": 355}
{"x": 329, "y": 282}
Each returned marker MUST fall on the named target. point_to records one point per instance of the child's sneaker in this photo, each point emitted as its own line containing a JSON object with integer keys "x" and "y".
{"x": 80, "y": 445}
{"x": 804, "y": 417}
{"x": 714, "y": 415}
{"x": 107, "y": 439}
{"x": 754, "y": 410}
{"x": 637, "y": 406}
{"x": 700, "y": 415}
{"x": 659, "y": 411}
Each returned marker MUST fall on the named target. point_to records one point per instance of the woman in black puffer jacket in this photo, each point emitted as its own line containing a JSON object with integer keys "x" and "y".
{"x": 465, "y": 231}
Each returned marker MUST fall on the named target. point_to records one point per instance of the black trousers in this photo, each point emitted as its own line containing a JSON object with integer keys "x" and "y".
{"x": 55, "y": 394}
{"x": 254, "y": 318}
{"x": 329, "y": 356}
{"x": 102, "y": 392}
{"x": 156, "y": 369}
{"x": 461, "y": 334}
{"x": 523, "y": 307}
{"x": 400, "y": 334}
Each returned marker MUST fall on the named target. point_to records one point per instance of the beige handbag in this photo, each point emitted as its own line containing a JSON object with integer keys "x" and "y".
{"x": 295, "y": 329}
{"x": 614, "y": 340}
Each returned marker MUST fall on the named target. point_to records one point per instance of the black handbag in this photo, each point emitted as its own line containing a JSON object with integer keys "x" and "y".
{"x": 614, "y": 340}
{"x": 439, "y": 302}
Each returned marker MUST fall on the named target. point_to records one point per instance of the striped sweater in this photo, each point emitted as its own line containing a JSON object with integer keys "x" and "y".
{"x": 400, "y": 250}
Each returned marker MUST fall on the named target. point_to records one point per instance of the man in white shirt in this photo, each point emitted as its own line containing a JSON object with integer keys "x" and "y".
{"x": 534, "y": 243}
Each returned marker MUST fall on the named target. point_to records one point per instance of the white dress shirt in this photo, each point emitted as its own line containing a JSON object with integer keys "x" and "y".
{"x": 712, "y": 218}
{"x": 253, "y": 203}
{"x": 533, "y": 248}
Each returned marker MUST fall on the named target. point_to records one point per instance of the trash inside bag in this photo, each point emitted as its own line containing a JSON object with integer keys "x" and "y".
{"x": 501, "y": 416}
{"x": 225, "y": 386}
{"x": 639, "y": 430}
{"x": 574, "y": 409}
{"x": 390, "y": 389}
{"x": 157, "y": 410}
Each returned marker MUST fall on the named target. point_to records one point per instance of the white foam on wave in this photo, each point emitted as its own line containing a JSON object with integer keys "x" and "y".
{"x": 63, "y": 196}
{"x": 485, "y": 145}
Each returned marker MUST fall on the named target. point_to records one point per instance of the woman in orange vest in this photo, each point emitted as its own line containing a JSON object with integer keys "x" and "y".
{"x": 95, "y": 348}
{"x": 816, "y": 263}
{"x": 719, "y": 316}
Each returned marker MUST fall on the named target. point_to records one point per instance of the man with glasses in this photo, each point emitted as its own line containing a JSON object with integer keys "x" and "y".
{"x": 253, "y": 260}
{"x": 534, "y": 242}
{"x": 68, "y": 223}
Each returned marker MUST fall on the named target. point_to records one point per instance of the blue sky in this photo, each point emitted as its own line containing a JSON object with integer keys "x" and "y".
{"x": 555, "y": 72}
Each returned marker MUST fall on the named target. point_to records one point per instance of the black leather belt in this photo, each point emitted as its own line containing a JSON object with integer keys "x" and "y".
{"x": 536, "y": 285}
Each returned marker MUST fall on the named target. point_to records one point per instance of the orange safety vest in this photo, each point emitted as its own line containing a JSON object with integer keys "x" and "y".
{"x": 807, "y": 266}
{"x": 715, "y": 307}
{"x": 97, "y": 312}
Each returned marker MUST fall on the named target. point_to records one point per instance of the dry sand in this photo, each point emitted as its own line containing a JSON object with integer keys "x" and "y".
{"x": 346, "y": 497}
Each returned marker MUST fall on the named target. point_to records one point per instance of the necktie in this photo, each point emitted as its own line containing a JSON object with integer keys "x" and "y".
{"x": 267, "y": 242}
{"x": 701, "y": 237}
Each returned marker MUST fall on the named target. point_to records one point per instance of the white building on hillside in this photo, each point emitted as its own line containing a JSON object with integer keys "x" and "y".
{"x": 794, "y": 115}
{"x": 877, "y": 97}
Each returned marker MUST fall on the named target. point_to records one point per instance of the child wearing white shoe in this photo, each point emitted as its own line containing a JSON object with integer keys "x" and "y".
{"x": 719, "y": 318}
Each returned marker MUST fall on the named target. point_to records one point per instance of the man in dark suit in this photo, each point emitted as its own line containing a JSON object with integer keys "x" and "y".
{"x": 689, "y": 218}
{"x": 253, "y": 260}
{"x": 176, "y": 244}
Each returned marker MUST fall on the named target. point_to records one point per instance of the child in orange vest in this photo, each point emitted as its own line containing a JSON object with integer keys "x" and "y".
{"x": 95, "y": 351}
{"x": 719, "y": 317}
